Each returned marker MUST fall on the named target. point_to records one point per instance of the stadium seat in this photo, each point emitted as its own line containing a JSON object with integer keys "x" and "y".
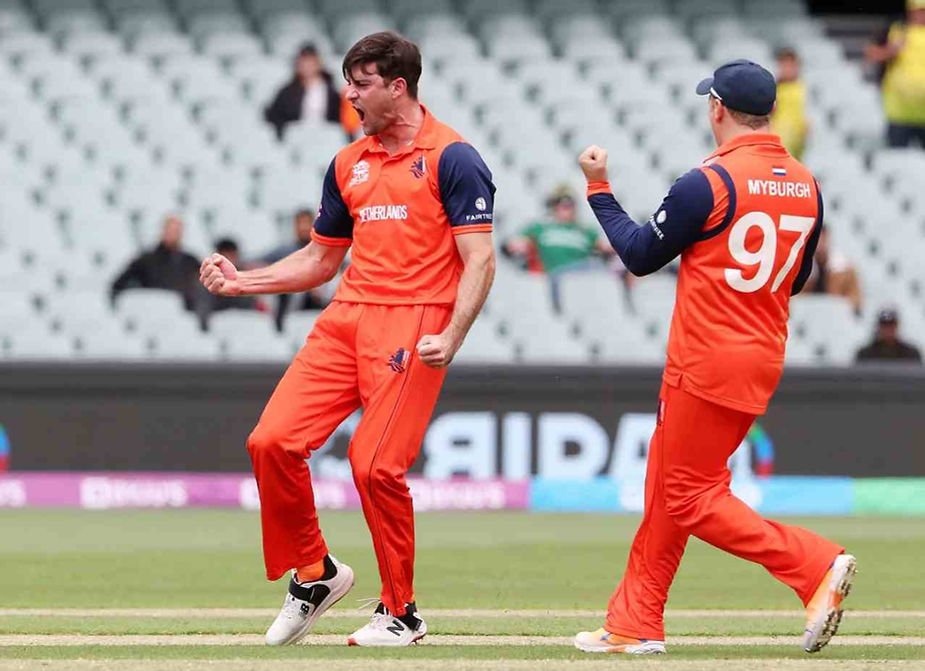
{"x": 231, "y": 323}
{"x": 25, "y": 45}
{"x": 184, "y": 344}
{"x": 230, "y": 46}
{"x": 298, "y": 324}
{"x": 487, "y": 9}
{"x": 556, "y": 345}
{"x": 107, "y": 340}
{"x": 149, "y": 21}
{"x": 36, "y": 343}
{"x": 161, "y": 45}
{"x": 653, "y": 297}
{"x": 333, "y": 9}
{"x": 146, "y": 310}
{"x": 246, "y": 347}
{"x": 259, "y": 9}
{"x": 825, "y": 321}
{"x": 16, "y": 307}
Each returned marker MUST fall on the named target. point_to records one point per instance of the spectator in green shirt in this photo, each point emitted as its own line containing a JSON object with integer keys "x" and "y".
{"x": 559, "y": 244}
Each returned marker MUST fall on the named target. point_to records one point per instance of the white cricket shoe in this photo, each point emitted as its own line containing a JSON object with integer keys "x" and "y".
{"x": 387, "y": 630}
{"x": 603, "y": 641}
{"x": 307, "y": 601}
{"x": 824, "y": 611}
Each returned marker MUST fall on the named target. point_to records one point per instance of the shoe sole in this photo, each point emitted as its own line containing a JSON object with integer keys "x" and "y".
{"x": 833, "y": 616}
{"x": 619, "y": 649}
{"x": 352, "y": 642}
{"x": 321, "y": 610}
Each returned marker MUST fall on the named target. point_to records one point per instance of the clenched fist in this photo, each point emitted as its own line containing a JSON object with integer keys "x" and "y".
{"x": 219, "y": 276}
{"x": 593, "y": 162}
{"x": 437, "y": 351}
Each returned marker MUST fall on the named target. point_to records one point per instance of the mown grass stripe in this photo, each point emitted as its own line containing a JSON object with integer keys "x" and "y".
{"x": 437, "y": 640}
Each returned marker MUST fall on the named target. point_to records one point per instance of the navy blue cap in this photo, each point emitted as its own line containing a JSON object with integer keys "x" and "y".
{"x": 742, "y": 85}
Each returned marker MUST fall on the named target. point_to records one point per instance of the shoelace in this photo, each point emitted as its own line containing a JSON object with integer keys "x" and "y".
{"x": 377, "y": 620}
{"x": 381, "y": 620}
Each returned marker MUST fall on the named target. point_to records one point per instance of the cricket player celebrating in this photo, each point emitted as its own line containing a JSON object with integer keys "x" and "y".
{"x": 745, "y": 223}
{"x": 414, "y": 201}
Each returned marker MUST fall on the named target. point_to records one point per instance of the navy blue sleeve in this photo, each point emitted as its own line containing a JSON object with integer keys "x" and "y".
{"x": 466, "y": 188}
{"x": 677, "y": 224}
{"x": 806, "y": 265}
{"x": 334, "y": 222}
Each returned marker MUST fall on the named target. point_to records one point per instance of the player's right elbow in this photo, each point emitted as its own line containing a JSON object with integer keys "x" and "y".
{"x": 640, "y": 267}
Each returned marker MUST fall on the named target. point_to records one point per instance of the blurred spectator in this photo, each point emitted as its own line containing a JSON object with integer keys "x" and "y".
{"x": 166, "y": 266}
{"x": 314, "y": 299}
{"x": 310, "y": 96}
{"x": 560, "y": 244}
{"x": 302, "y": 224}
{"x": 833, "y": 274}
{"x": 900, "y": 52}
{"x": 228, "y": 248}
{"x": 886, "y": 345}
{"x": 788, "y": 120}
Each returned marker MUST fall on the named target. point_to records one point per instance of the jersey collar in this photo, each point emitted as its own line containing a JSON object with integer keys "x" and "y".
{"x": 747, "y": 140}
{"x": 425, "y": 139}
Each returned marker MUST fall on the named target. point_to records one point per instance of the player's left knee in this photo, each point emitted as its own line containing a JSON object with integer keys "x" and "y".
{"x": 685, "y": 509}
{"x": 368, "y": 476}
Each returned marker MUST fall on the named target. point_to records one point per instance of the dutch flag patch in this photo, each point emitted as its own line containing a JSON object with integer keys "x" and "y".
{"x": 780, "y": 172}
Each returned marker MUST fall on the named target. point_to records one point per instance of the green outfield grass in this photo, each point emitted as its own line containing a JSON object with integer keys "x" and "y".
{"x": 185, "y": 560}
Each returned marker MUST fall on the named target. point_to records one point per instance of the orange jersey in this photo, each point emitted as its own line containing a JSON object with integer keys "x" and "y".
{"x": 401, "y": 212}
{"x": 729, "y": 328}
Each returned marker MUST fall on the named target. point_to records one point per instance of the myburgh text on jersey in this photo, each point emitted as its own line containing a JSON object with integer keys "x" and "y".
{"x": 769, "y": 187}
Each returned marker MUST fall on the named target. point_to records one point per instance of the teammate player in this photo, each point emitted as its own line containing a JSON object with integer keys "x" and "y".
{"x": 415, "y": 203}
{"x": 746, "y": 224}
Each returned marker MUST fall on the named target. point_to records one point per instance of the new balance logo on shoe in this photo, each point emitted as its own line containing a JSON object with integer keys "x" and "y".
{"x": 385, "y": 629}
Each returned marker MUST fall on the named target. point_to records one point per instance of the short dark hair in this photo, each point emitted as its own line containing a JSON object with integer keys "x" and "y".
{"x": 394, "y": 56}
{"x": 223, "y": 245}
{"x": 304, "y": 212}
{"x": 308, "y": 49}
{"x": 786, "y": 53}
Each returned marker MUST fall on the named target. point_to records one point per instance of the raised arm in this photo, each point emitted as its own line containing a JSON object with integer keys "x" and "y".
{"x": 305, "y": 269}
{"x": 678, "y": 222}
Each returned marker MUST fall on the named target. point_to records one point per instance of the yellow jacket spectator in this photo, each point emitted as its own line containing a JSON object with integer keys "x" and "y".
{"x": 789, "y": 119}
{"x": 901, "y": 52}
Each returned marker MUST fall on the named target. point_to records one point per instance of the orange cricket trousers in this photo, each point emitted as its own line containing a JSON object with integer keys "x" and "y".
{"x": 357, "y": 355}
{"x": 687, "y": 494}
